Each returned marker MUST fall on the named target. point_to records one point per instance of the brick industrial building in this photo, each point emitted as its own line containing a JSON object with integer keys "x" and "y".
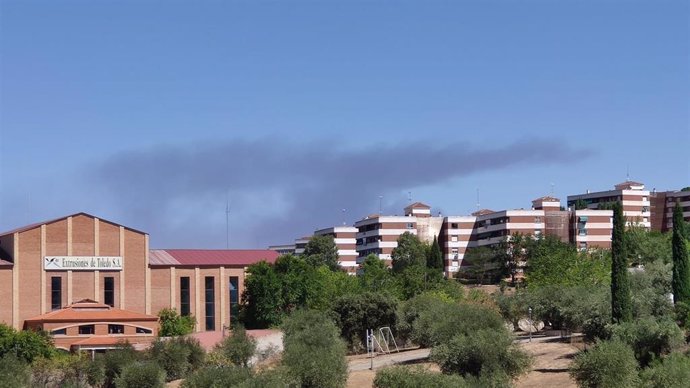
{"x": 92, "y": 282}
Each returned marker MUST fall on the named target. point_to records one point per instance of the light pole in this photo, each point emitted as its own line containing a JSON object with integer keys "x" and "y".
{"x": 529, "y": 309}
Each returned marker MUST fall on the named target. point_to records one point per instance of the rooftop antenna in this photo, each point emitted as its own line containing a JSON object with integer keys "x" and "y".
{"x": 344, "y": 222}
{"x": 380, "y": 204}
{"x": 552, "y": 186}
{"x": 627, "y": 172}
{"x": 227, "y": 221}
{"x": 478, "y": 198}
{"x": 409, "y": 196}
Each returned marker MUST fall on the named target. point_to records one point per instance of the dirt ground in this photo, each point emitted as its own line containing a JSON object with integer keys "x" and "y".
{"x": 550, "y": 367}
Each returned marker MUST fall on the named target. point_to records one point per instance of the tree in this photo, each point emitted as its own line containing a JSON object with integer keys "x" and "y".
{"x": 238, "y": 348}
{"x": 621, "y": 303}
{"x": 481, "y": 353}
{"x": 262, "y": 297}
{"x": 434, "y": 259}
{"x": 410, "y": 251}
{"x": 553, "y": 262}
{"x": 26, "y": 345}
{"x": 515, "y": 250}
{"x": 580, "y": 204}
{"x": 314, "y": 353}
{"x": 375, "y": 275}
{"x": 355, "y": 314}
{"x": 141, "y": 375}
{"x": 681, "y": 267}
{"x": 173, "y": 324}
{"x": 482, "y": 263}
{"x": 610, "y": 364}
{"x": 321, "y": 250}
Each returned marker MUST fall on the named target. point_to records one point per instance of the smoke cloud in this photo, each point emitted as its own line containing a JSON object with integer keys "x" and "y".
{"x": 279, "y": 190}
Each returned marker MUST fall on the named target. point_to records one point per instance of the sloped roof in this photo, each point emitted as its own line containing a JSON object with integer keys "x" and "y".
{"x": 225, "y": 257}
{"x": 38, "y": 224}
{"x": 418, "y": 205}
{"x": 547, "y": 198}
{"x": 91, "y": 311}
{"x": 628, "y": 185}
{"x": 483, "y": 212}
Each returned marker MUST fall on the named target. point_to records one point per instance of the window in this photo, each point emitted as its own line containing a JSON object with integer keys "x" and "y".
{"x": 583, "y": 246}
{"x": 234, "y": 297}
{"x": 86, "y": 329}
{"x": 141, "y": 330}
{"x": 537, "y": 220}
{"x": 116, "y": 329}
{"x": 410, "y": 225}
{"x": 184, "y": 295}
{"x": 109, "y": 291}
{"x": 55, "y": 293}
{"x": 537, "y": 232}
{"x": 454, "y": 225}
{"x": 454, "y": 250}
{"x": 583, "y": 232}
{"x": 59, "y": 332}
{"x": 454, "y": 238}
{"x": 210, "y": 303}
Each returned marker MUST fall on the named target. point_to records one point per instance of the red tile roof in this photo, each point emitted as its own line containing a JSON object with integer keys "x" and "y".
{"x": 418, "y": 205}
{"x": 547, "y": 198}
{"x": 225, "y": 257}
{"x": 483, "y": 212}
{"x": 88, "y": 311}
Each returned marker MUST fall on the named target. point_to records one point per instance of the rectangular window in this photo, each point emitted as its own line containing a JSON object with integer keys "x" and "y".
{"x": 116, "y": 329}
{"x": 59, "y": 332}
{"x": 234, "y": 288}
{"x": 184, "y": 295}
{"x": 454, "y": 238}
{"x": 537, "y": 220}
{"x": 55, "y": 293}
{"x": 109, "y": 291}
{"x": 210, "y": 299}
{"x": 141, "y": 330}
{"x": 86, "y": 329}
{"x": 454, "y": 225}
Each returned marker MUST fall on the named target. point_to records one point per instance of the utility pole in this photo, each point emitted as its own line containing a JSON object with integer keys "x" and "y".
{"x": 380, "y": 204}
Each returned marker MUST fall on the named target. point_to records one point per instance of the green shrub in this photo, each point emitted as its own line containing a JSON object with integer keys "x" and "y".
{"x": 173, "y": 324}
{"x": 481, "y": 353}
{"x": 355, "y": 313}
{"x": 141, "y": 375}
{"x": 410, "y": 310}
{"x": 173, "y": 356}
{"x": 314, "y": 353}
{"x": 649, "y": 338}
{"x": 14, "y": 373}
{"x": 238, "y": 348}
{"x": 406, "y": 377}
{"x": 270, "y": 378}
{"x": 672, "y": 372}
{"x": 609, "y": 364}
{"x": 569, "y": 307}
{"x": 217, "y": 377}
{"x": 114, "y": 361}
{"x": 441, "y": 322}
{"x": 25, "y": 344}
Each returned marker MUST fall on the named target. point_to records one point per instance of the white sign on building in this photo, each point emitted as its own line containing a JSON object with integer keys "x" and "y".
{"x": 82, "y": 263}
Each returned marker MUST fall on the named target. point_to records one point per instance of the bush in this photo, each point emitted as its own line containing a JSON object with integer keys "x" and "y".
{"x": 270, "y": 378}
{"x": 441, "y": 322}
{"x": 13, "y": 372}
{"x": 650, "y": 289}
{"x": 649, "y": 338}
{"x": 217, "y": 377}
{"x": 609, "y": 364}
{"x": 672, "y": 372}
{"x": 410, "y": 310}
{"x": 314, "y": 353}
{"x": 141, "y": 375}
{"x": 238, "y": 348}
{"x": 481, "y": 353}
{"x": 406, "y": 377}
{"x": 357, "y": 313}
{"x": 570, "y": 308}
{"x": 26, "y": 345}
{"x": 114, "y": 361}
{"x": 178, "y": 356}
{"x": 173, "y": 324}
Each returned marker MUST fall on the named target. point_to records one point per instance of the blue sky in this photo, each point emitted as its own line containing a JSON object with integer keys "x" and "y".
{"x": 152, "y": 113}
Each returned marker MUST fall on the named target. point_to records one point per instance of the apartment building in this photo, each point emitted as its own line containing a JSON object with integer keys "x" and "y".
{"x": 662, "y": 205}
{"x": 591, "y": 228}
{"x": 633, "y": 196}
{"x": 455, "y": 238}
{"x": 345, "y": 238}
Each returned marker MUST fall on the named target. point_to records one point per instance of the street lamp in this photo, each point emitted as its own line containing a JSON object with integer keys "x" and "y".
{"x": 529, "y": 309}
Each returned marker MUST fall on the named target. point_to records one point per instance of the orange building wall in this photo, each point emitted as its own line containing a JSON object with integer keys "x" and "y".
{"x": 135, "y": 271}
{"x": 6, "y": 295}
{"x": 30, "y": 272}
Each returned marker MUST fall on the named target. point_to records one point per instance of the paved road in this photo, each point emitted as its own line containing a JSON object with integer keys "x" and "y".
{"x": 389, "y": 359}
